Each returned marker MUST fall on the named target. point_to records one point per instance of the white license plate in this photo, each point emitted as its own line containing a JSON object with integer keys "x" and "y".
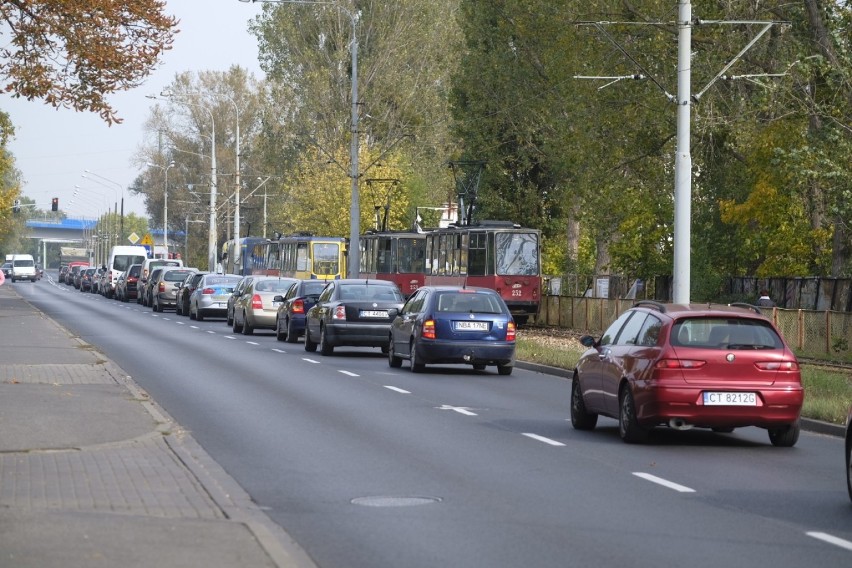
{"x": 373, "y": 314}
{"x": 730, "y": 399}
{"x": 472, "y": 325}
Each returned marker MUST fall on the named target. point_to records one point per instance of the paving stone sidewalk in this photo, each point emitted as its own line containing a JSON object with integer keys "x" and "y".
{"x": 94, "y": 473}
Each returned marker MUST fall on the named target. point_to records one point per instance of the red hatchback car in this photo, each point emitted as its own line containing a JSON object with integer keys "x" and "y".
{"x": 720, "y": 367}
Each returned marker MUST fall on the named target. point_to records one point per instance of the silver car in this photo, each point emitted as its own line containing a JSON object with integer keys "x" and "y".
{"x": 210, "y": 296}
{"x": 164, "y": 288}
{"x": 256, "y": 308}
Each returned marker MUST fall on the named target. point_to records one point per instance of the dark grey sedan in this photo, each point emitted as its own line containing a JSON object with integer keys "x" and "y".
{"x": 354, "y": 312}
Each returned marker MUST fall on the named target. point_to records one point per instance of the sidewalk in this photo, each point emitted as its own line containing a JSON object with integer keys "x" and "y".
{"x": 94, "y": 474}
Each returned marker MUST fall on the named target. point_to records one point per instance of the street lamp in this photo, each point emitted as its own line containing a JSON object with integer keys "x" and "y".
{"x": 355, "y": 208}
{"x": 165, "y": 203}
{"x": 211, "y": 239}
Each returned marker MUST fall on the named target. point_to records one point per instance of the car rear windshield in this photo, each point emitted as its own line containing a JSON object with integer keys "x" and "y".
{"x": 176, "y": 275}
{"x": 469, "y": 302}
{"x": 370, "y": 292}
{"x": 725, "y": 333}
{"x": 313, "y": 288}
{"x": 279, "y": 286}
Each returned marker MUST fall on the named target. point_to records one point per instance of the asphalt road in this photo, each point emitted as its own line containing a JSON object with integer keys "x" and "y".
{"x": 372, "y": 467}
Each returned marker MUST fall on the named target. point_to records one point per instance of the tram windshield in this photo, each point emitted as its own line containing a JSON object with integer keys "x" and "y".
{"x": 517, "y": 254}
{"x": 326, "y": 258}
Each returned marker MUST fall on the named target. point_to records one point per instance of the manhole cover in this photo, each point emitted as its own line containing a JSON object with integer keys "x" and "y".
{"x": 389, "y": 501}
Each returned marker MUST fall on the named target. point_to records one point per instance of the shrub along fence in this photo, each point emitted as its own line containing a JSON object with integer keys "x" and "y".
{"x": 811, "y": 333}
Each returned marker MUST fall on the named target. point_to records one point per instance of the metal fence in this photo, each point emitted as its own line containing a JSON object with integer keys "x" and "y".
{"x": 820, "y": 334}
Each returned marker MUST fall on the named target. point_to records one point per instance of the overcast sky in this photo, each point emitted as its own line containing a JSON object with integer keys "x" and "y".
{"x": 53, "y": 148}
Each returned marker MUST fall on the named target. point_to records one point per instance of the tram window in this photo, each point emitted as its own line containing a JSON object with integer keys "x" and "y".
{"x": 302, "y": 256}
{"x": 410, "y": 253}
{"x": 463, "y": 256}
{"x": 384, "y": 259}
{"x": 517, "y": 254}
{"x": 477, "y": 260}
{"x": 326, "y": 259}
{"x": 443, "y": 263}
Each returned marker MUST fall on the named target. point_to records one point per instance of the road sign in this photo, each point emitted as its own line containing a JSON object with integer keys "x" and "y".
{"x": 147, "y": 240}
{"x": 133, "y": 238}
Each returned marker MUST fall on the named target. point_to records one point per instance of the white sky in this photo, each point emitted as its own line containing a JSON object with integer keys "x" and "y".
{"x": 53, "y": 148}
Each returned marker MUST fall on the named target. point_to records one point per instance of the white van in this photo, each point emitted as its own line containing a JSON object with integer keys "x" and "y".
{"x": 23, "y": 268}
{"x": 120, "y": 259}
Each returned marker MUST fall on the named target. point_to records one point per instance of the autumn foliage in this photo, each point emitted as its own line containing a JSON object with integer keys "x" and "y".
{"x": 74, "y": 54}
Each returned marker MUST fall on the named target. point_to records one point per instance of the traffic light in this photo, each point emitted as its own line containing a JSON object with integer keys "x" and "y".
{"x": 54, "y": 205}
{"x": 16, "y": 206}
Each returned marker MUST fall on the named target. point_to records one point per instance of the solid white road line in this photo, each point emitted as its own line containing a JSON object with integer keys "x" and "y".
{"x": 350, "y": 373}
{"x": 397, "y": 389}
{"x": 830, "y": 539}
{"x": 543, "y": 439}
{"x": 663, "y": 482}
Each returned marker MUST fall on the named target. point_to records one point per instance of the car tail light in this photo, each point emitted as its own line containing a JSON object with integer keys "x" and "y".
{"x": 777, "y": 365}
{"x": 208, "y": 291}
{"x": 428, "y": 331}
{"x": 680, "y": 364}
{"x": 256, "y": 302}
{"x": 298, "y": 306}
{"x": 162, "y": 287}
{"x": 339, "y": 313}
{"x": 510, "y": 331}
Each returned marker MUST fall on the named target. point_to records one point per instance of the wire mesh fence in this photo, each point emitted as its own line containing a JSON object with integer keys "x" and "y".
{"x": 811, "y": 333}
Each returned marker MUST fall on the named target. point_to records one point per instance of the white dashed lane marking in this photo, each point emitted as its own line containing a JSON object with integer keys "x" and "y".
{"x": 397, "y": 389}
{"x": 543, "y": 439}
{"x": 831, "y": 539}
{"x": 664, "y": 482}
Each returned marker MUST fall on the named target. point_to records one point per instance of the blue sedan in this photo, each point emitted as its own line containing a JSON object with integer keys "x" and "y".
{"x": 448, "y": 324}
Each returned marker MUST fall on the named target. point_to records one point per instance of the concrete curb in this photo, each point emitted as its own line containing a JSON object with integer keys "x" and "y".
{"x": 808, "y": 424}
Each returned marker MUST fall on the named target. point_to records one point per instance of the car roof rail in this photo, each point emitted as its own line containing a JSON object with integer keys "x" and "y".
{"x": 747, "y": 306}
{"x": 651, "y": 304}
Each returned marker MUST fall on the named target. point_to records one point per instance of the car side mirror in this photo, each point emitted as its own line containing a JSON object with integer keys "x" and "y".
{"x": 588, "y": 341}
{"x": 393, "y": 312}
{"x": 278, "y": 298}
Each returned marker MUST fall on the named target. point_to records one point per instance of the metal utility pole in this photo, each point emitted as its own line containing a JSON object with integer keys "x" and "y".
{"x": 681, "y": 274}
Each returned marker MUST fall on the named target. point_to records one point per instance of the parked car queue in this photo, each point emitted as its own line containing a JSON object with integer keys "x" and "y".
{"x": 694, "y": 366}
{"x": 713, "y": 367}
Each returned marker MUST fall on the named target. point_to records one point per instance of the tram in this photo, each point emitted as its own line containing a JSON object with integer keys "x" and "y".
{"x": 398, "y": 256}
{"x": 307, "y": 256}
{"x": 499, "y": 255}
{"x": 245, "y": 256}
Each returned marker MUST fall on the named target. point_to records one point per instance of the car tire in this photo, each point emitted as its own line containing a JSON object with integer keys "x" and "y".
{"x": 393, "y": 360}
{"x": 310, "y": 346}
{"x": 505, "y": 370}
{"x": 279, "y": 335}
{"x": 416, "y": 365}
{"x": 198, "y": 315}
{"x": 230, "y": 318}
{"x": 247, "y": 328}
{"x": 178, "y": 309}
{"x": 581, "y": 419}
{"x": 628, "y": 427}
{"x": 723, "y": 430}
{"x": 478, "y": 367}
{"x": 191, "y": 315}
{"x": 292, "y": 336}
{"x": 237, "y": 328}
{"x": 326, "y": 348}
{"x": 784, "y": 437}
